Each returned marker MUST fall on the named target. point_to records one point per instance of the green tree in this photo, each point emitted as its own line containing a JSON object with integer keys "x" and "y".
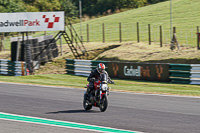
{"x": 69, "y": 8}
{"x": 96, "y": 7}
{"x": 12, "y": 6}
{"x": 155, "y": 1}
{"x": 130, "y": 3}
{"x": 88, "y": 6}
{"x": 47, "y": 5}
{"x": 31, "y": 8}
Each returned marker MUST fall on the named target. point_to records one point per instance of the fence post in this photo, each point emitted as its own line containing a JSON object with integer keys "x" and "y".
{"x": 88, "y": 33}
{"x": 120, "y": 32}
{"x": 138, "y": 33}
{"x": 173, "y": 39}
{"x": 161, "y": 36}
{"x": 174, "y": 29}
{"x": 103, "y": 30}
{"x": 149, "y": 27}
{"x": 198, "y": 37}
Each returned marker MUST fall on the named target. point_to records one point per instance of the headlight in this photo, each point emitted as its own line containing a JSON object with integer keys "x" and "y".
{"x": 104, "y": 87}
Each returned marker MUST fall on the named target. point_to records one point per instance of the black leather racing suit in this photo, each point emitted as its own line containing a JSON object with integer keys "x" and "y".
{"x": 95, "y": 74}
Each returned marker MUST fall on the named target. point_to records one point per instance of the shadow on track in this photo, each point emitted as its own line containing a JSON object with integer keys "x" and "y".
{"x": 73, "y": 111}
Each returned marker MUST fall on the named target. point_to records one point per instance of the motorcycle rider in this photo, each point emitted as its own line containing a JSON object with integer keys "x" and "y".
{"x": 95, "y": 75}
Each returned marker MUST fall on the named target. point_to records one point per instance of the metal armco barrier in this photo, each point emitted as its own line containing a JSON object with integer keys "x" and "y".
{"x": 174, "y": 73}
{"x": 81, "y": 67}
{"x": 185, "y": 73}
{"x": 123, "y": 70}
{"x": 12, "y": 68}
{"x": 142, "y": 71}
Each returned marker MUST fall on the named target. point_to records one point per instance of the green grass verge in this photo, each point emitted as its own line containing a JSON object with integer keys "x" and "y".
{"x": 121, "y": 85}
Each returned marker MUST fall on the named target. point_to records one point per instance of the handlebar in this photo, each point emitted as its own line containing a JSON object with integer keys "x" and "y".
{"x": 96, "y": 80}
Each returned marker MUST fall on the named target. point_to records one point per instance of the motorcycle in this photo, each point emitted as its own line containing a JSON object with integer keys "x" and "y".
{"x": 98, "y": 97}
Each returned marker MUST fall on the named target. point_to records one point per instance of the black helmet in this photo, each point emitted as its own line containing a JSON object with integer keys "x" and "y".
{"x": 101, "y": 67}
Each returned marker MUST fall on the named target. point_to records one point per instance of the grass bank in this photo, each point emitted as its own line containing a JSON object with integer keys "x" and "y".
{"x": 121, "y": 85}
{"x": 184, "y": 15}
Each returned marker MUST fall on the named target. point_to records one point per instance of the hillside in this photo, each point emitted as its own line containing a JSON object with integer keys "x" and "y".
{"x": 185, "y": 18}
{"x": 185, "y": 14}
{"x": 129, "y": 50}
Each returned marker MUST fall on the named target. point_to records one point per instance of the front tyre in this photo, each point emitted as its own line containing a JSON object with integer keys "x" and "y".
{"x": 85, "y": 103}
{"x": 103, "y": 103}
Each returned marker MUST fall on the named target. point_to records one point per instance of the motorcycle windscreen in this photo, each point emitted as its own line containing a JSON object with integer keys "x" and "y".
{"x": 103, "y": 78}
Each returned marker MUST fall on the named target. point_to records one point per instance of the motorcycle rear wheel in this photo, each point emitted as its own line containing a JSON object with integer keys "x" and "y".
{"x": 103, "y": 103}
{"x": 85, "y": 103}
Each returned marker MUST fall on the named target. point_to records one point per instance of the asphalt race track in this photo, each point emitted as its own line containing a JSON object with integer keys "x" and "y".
{"x": 128, "y": 111}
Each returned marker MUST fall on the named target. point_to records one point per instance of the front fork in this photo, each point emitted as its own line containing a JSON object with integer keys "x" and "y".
{"x": 101, "y": 94}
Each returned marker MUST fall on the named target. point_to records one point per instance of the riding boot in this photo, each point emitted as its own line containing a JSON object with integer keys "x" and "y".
{"x": 88, "y": 91}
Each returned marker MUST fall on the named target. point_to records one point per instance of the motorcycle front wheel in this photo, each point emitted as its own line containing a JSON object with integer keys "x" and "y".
{"x": 103, "y": 103}
{"x": 85, "y": 103}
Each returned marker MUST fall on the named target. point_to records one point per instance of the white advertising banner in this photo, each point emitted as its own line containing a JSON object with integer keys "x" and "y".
{"x": 32, "y": 21}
